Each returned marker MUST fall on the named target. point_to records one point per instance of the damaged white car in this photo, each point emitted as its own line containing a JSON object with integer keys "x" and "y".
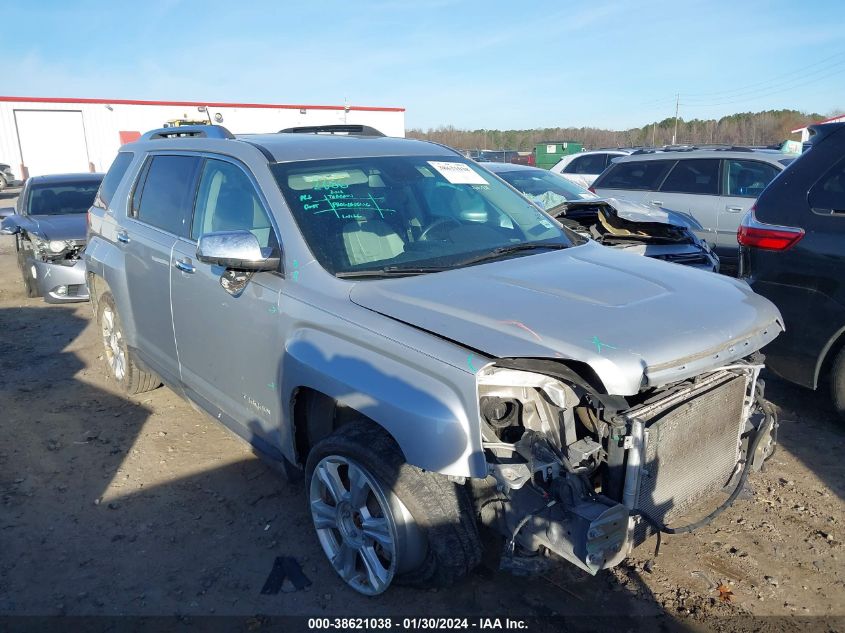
{"x": 432, "y": 351}
{"x": 632, "y": 226}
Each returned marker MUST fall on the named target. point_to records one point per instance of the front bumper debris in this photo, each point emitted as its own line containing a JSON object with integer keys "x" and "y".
{"x": 61, "y": 283}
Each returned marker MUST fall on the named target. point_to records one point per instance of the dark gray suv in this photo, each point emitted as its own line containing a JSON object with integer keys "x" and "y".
{"x": 428, "y": 347}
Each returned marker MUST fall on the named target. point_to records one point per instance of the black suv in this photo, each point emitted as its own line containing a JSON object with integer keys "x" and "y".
{"x": 792, "y": 250}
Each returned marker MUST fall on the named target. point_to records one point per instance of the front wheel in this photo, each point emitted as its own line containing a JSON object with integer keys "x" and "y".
{"x": 25, "y": 264}
{"x": 380, "y": 520}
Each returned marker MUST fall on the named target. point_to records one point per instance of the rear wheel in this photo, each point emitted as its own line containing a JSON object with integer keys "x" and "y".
{"x": 121, "y": 363}
{"x": 837, "y": 382}
{"x": 380, "y": 520}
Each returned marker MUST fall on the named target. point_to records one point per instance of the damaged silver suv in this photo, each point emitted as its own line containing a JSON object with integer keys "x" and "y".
{"x": 435, "y": 353}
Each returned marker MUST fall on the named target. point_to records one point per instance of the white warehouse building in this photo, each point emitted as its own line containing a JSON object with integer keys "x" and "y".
{"x": 45, "y": 135}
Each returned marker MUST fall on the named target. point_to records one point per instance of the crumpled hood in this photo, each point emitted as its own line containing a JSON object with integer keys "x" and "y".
{"x": 636, "y": 321}
{"x": 56, "y": 227}
{"x": 639, "y": 212}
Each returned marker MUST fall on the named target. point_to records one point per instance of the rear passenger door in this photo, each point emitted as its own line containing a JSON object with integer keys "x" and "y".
{"x": 692, "y": 188}
{"x": 230, "y": 345}
{"x": 824, "y": 251}
{"x": 159, "y": 214}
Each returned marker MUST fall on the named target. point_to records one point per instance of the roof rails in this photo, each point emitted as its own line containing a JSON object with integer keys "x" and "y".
{"x": 694, "y": 148}
{"x": 191, "y": 131}
{"x": 352, "y": 130}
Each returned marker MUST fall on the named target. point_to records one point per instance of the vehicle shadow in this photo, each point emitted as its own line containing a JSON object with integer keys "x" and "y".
{"x": 137, "y": 506}
{"x": 814, "y": 433}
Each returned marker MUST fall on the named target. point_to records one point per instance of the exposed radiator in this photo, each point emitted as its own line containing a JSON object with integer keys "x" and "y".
{"x": 691, "y": 449}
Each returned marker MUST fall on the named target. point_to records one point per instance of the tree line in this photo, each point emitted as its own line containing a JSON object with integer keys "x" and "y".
{"x": 746, "y": 128}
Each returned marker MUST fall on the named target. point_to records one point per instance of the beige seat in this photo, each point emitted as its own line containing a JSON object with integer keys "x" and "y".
{"x": 368, "y": 241}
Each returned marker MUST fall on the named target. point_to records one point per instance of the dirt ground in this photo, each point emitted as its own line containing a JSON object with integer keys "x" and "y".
{"x": 112, "y": 505}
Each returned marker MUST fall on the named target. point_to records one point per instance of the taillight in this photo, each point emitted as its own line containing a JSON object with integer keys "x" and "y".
{"x": 591, "y": 189}
{"x": 769, "y": 237}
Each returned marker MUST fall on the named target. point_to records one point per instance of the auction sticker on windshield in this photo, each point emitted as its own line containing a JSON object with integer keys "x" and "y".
{"x": 458, "y": 173}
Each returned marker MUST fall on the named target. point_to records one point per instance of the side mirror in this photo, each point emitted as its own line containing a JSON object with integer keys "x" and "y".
{"x": 8, "y": 222}
{"x": 237, "y": 250}
{"x": 5, "y": 212}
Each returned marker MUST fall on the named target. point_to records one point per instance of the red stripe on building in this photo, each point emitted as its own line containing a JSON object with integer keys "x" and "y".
{"x": 210, "y": 104}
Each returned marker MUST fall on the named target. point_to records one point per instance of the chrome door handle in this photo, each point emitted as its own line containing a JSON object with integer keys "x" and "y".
{"x": 734, "y": 209}
{"x": 656, "y": 203}
{"x": 123, "y": 236}
{"x": 184, "y": 266}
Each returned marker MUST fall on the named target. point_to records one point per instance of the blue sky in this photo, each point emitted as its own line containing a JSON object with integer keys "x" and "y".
{"x": 469, "y": 64}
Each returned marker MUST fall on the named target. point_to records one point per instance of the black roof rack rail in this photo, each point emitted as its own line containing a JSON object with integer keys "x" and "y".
{"x": 733, "y": 148}
{"x": 351, "y": 130}
{"x": 190, "y": 131}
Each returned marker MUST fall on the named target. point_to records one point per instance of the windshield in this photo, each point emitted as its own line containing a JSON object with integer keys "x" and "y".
{"x": 544, "y": 188}
{"x": 62, "y": 198}
{"x": 409, "y": 212}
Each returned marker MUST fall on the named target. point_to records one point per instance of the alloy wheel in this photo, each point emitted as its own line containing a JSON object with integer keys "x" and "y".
{"x": 113, "y": 344}
{"x": 355, "y": 524}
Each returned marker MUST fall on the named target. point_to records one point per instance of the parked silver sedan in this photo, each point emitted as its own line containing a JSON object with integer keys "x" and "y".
{"x": 49, "y": 225}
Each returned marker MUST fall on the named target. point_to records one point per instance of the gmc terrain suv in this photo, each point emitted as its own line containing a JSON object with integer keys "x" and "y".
{"x": 435, "y": 352}
{"x": 792, "y": 247}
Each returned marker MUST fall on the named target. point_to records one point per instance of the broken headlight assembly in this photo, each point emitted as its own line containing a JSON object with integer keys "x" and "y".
{"x": 587, "y": 476}
{"x": 51, "y": 250}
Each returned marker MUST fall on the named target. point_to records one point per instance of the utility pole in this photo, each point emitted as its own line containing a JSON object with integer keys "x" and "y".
{"x": 677, "y": 103}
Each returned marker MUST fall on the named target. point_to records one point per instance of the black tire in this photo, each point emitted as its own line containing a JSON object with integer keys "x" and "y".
{"x": 837, "y": 383}
{"x": 30, "y": 285}
{"x": 440, "y": 507}
{"x": 133, "y": 380}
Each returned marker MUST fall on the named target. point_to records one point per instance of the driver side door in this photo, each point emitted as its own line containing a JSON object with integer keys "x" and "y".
{"x": 229, "y": 345}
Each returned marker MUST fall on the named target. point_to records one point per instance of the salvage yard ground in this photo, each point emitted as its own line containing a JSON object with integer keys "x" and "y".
{"x": 112, "y": 505}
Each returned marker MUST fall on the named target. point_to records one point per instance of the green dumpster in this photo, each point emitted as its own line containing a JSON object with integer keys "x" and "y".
{"x": 548, "y": 153}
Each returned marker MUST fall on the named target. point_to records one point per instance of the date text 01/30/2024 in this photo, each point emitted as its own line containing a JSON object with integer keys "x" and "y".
{"x": 414, "y": 624}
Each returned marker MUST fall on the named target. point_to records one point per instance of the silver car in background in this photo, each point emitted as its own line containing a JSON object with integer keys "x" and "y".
{"x": 428, "y": 348}
{"x": 715, "y": 186}
{"x": 49, "y": 225}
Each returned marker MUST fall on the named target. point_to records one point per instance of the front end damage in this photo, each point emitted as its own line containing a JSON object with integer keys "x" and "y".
{"x": 59, "y": 270}
{"x": 637, "y": 229}
{"x": 587, "y": 477}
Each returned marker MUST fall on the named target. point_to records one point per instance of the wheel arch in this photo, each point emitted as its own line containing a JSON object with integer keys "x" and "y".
{"x": 328, "y": 380}
{"x": 827, "y": 355}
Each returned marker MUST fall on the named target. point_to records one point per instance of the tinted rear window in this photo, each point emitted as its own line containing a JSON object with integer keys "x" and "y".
{"x": 167, "y": 196}
{"x": 112, "y": 180}
{"x": 641, "y": 174}
{"x": 828, "y": 194}
{"x": 695, "y": 175}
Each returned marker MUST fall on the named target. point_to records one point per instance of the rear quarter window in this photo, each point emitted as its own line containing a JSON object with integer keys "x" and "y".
{"x": 112, "y": 180}
{"x": 639, "y": 175}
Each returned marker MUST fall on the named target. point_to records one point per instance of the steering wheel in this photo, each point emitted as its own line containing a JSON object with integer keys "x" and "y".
{"x": 435, "y": 224}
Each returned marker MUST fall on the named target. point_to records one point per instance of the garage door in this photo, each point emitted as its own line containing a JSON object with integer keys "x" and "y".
{"x": 52, "y": 141}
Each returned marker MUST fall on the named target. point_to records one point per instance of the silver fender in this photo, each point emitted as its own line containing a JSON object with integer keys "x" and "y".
{"x": 434, "y": 420}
